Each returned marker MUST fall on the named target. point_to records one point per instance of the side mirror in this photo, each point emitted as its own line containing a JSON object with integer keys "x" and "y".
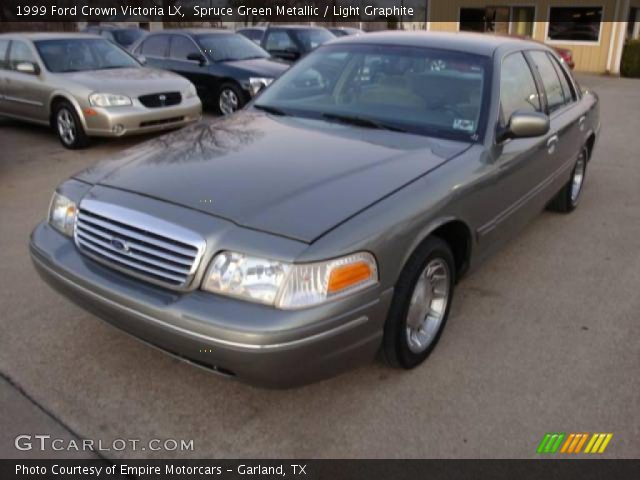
{"x": 196, "y": 57}
{"x": 28, "y": 67}
{"x": 142, "y": 59}
{"x": 525, "y": 125}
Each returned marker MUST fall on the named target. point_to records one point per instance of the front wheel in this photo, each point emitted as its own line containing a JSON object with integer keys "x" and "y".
{"x": 68, "y": 127}
{"x": 229, "y": 99}
{"x": 568, "y": 198}
{"x": 420, "y": 305}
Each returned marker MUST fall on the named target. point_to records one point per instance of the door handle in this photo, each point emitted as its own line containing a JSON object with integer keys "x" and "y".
{"x": 552, "y": 143}
{"x": 581, "y": 122}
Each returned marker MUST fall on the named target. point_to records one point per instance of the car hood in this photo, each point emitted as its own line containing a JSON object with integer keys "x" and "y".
{"x": 264, "y": 67}
{"x": 129, "y": 81}
{"x": 287, "y": 176}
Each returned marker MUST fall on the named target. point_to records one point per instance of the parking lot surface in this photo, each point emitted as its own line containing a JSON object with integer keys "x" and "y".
{"x": 543, "y": 337}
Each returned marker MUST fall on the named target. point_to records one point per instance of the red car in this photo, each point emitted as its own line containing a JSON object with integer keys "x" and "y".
{"x": 565, "y": 54}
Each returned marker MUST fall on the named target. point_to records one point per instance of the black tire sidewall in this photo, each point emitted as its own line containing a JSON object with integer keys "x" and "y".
{"x": 395, "y": 343}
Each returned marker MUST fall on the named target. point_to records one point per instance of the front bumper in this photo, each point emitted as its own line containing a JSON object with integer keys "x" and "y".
{"x": 227, "y": 336}
{"x": 138, "y": 119}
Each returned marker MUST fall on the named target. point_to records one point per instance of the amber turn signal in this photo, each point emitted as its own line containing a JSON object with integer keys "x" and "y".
{"x": 346, "y": 276}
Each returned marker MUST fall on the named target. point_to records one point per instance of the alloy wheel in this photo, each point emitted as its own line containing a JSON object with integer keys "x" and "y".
{"x": 229, "y": 101}
{"x": 578, "y": 179}
{"x": 428, "y": 305}
{"x": 66, "y": 126}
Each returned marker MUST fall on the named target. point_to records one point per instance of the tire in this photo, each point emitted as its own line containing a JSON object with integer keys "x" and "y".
{"x": 400, "y": 346}
{"x": 69, "y": 127}
{"x": 568, "y": 197}
{"x": 230, "y": 99}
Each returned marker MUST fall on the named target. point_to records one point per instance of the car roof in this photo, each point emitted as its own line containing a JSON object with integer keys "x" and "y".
{"x": 115, "y": 27}
{"x": 252, "y": 27}
{"x": 196, "y": 31}
{"x": 478, "y": 43}
{"x": 297, "y": 27}
{"x": 47, "y": 35}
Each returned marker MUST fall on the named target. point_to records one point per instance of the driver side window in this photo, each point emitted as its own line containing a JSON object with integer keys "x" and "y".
{"x": 19, "y": 53}
{"x": 518, "y": 91}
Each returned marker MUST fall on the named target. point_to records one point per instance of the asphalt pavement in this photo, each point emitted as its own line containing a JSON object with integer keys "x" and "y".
{"x": 543, "y": 337}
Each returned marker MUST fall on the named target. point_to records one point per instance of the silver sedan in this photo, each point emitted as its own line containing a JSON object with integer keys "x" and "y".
{"x": 84, "y": 86}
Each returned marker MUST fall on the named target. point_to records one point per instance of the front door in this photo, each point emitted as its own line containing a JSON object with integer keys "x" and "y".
{"x": 25, "y": 94}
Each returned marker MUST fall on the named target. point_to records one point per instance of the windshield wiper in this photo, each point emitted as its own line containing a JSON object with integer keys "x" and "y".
{"x": 269, "y": 109}
{"x": 362, "y": 122}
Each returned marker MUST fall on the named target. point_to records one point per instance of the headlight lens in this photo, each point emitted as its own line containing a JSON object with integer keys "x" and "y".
{"x": 62, "y": 214}
{"x": 289, "y": 286}
{"x": 108, "y": 100}
{"x": 190, "y": 91}
{"x": 256, "y": 84}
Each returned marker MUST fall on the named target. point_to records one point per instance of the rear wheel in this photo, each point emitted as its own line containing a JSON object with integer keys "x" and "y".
{"x": 68, "y": 126}
{"x": 420, "y": 305}
{"x": 568, "y": 198}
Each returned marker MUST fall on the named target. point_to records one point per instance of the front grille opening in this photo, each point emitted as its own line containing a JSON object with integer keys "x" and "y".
{"x": 159, "y": 100}
{"x": 134, "y": 250}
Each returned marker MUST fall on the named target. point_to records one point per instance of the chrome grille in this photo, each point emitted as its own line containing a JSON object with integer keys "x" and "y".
{"x": 138, "y": 244}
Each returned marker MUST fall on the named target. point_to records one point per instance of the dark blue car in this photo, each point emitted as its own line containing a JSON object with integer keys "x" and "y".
{"x": 226, "y": 68}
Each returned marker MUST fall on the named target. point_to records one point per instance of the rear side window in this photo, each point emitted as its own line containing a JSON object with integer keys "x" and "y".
{"x": 4, "y": 47}
{"x": 181, "y": 47}
{"x": 255, "y": 35}
{"x": 550, "y": 80}
{"x": 20, "y": 52}
{"x": 518, "y": 90}
{"x": 567, "y": 89}
{"x": 156, "y": 46}
{"x": 280, "y": 40}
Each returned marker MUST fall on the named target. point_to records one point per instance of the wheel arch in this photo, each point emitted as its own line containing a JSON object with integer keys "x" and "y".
{"x": 456, "y": 233}
{"x": 59, "y": 96}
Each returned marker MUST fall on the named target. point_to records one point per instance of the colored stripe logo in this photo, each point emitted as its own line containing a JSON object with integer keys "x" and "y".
{"x": 573, "y": 443}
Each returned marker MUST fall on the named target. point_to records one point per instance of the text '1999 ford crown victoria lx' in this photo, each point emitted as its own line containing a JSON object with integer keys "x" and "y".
{"x": 331, "y": 218}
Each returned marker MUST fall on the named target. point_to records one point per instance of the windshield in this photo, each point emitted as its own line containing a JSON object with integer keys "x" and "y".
{"x": 128, "y": 36}
{"x": 80, "y": 54}
{"x": 221, "y": 47}
{"x": 418, "y": 90}
{"x": 312, "y": 38}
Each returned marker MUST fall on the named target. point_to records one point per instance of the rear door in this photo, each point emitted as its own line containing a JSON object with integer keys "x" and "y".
{"x": 4, "y": 66}
{"x": 564, "y": 144}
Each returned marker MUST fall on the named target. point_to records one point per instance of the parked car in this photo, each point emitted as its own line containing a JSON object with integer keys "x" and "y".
{"x": 254, "y": 33}
{"x": 123, "y": 36}
{"x": 291, "y": 42}
{"x": 226, "y": 68}
{"x": 344, "y": 31}
{"x": 326, "y": 221}
{"x": 83, "y": 85}
{"x": 565, "y": 54}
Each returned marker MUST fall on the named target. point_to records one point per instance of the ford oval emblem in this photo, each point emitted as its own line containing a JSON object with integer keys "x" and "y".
{"x": 119, "y": 244}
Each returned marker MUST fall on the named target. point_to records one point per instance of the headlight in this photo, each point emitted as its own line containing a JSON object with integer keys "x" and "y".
{"x": 62, "y": 214}
{"x": 256, "y": 84}
{"x": 190, "y": 91}
{"x": 289, "y": 286}
{"x": 108, "y": 100}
